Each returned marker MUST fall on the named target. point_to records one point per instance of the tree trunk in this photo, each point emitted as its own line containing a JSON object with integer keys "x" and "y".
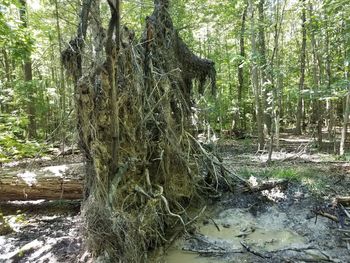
{"x": 241, "y": 102}
{"x": 62, "y": 89}
{"x": 299, "y": 119}
{"x": 316, "y": 72}
{"x": 345, "y": 118}
{"x": 256, "y": 84}
{"x": 28, "y": 77}
{"x": 330, "y": 102}
{"x": 263, "y": 63}
{"x": 279, "y": 16}
{"x": 3, "y": 107}
{"x": 50, "y": 183}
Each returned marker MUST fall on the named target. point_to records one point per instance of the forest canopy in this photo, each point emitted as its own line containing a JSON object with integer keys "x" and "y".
{"x": 297, "y": 49}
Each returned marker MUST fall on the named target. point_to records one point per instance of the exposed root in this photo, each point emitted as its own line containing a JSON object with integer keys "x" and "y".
{"x": 166, "y": 204}
{"x": 145, "y": 169}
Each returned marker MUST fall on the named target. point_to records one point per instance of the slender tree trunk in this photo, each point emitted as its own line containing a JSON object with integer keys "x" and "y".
{"x": 299, "y": 119}
{"x": 265, "y": 81}
{"x": 272, "y": 73}
{"x": 345, "y": 117}
{"x": 330, "y": 102}
{"x": 7, "y": 66}
{"x": 62, "y": 90}
{"x": 279, "y": 87}
{"x": 51, "y": 113}
{"x": 241, "y": 115}
{"x": 229, "y": 75}
{"x": 279, "y": 92}
{"x": 345, "y": 124}
{"x": 28, "y": 77}
{"x": 255, "y": 82}
{"x": 316, "y": 72}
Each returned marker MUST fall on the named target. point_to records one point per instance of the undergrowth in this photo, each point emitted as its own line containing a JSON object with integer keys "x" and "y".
{"x": 12, "y": 148}
{"x": 311, "y": 177}
{"x": 13, "y": 142}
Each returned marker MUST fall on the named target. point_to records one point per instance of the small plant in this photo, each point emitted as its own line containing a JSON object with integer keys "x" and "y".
{"x": 20, "y": 218}
{"x": 345, "y": 157}
{"x": 285, "y": 173}
{"x": 5, "y": 228}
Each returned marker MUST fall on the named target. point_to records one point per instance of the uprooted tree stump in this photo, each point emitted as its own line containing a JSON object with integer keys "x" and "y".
{"x": 134, "y": 116}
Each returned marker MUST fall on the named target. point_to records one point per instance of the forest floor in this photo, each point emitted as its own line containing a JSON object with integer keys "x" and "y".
{"x": 275, "y": 225}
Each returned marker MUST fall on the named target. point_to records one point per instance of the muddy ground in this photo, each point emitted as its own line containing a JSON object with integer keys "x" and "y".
{"x": 275, "y": 225}
{"x": 252, "y": 228}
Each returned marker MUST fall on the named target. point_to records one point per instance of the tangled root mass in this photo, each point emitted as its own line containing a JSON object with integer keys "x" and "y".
{"x": 144, "y": 166}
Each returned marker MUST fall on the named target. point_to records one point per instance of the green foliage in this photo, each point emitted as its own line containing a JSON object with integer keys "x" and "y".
{"x": 313, "y": 178}
{"x": 4, "y": 226}
{"x": 20, "y": 218}
{"x": 13, "y": 36}
{"x": 211, "y": 28}
{"x": 345, "y": 157}
{"x": 274, "y": 173}
{"x": 13, "y": 145}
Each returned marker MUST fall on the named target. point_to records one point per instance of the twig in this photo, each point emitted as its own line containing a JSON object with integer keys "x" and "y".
{"x": 166, "y": 204}
{"x": 196, "y": 217}
{"x": 343, "y": 199}
{"x": 216, "y": 225}
{"x": 301, "y": 249}
{"x": 345, "y": 211}
{"x": 327, "y": 215}
{"x": 343, "y": 230}
{"x": 251, "y": 250}
{"x": 212, "y": 252}
{"x": 298, "y": 154}
{"x": 213, "y": 161}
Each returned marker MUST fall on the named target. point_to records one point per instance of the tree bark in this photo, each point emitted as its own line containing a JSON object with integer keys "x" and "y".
{"x": 345, "y": 122}
{"x": 241, "y": 109}
{"x": 316, "y": 74}
{"x": 7, "y": 66}
{"x": 330, "y": 102}
{"x": 302, "y": 70}
{"x": 255, "y": 83}
{"x": 263, "y": 63}
{"x": 62, "y": 87}
{"x": 272, "y": 74}
{"x": 28, "y": 77}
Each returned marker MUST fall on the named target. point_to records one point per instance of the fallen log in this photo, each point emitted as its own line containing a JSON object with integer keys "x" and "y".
{"x": 268, "y": 186}
{"x": 327, "y": 215}
{"x": 50, "y": 183}
{"x": 344, "y": 200}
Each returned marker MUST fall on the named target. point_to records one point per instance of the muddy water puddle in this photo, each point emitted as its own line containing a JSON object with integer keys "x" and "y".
{"x": 266, "y": 233}
{"x": 176, "y": 255}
